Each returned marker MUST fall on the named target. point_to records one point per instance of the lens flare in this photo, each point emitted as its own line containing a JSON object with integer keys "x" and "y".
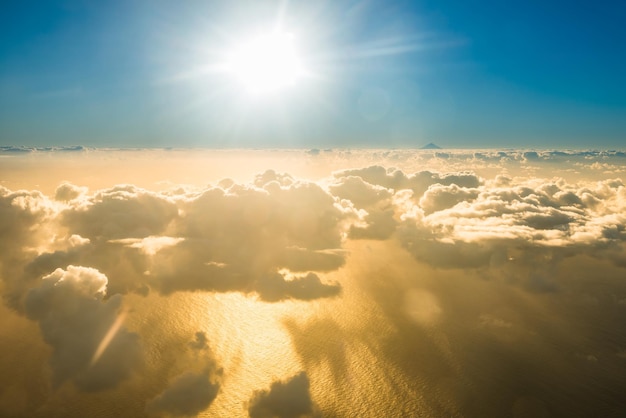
{"x": 108, "y": 337}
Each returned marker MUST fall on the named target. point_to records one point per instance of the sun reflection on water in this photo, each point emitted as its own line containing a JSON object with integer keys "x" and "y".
{"x": 340, "y": 343}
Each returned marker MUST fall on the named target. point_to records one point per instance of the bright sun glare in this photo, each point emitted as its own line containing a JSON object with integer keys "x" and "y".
{"x": 267, "y": 63}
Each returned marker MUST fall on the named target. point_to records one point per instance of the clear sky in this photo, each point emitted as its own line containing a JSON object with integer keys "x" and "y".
{"x": 462, "y": 74}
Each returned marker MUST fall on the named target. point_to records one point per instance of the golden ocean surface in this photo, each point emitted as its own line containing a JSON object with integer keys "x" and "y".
{"x": 402, "y": 340}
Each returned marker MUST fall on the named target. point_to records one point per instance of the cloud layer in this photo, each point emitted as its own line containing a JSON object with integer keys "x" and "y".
{"x": 89, "y": 344}
{"x": 512, "y": 259}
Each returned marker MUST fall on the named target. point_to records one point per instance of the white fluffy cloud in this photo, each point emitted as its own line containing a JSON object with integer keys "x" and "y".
{"x": 239, "y": 237}
{"x": 242, "y": 237}
{"x": 119, "y": 212}
{"x": 461, "y": 220}
{"x": 229, "y": 238}
{"x": 89, "y": 344}
{"x": 27, "y": 222}
{"x": 418, "y": 182}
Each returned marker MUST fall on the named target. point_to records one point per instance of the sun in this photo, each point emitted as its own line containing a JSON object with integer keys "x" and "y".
{"x": 267, "y": 63}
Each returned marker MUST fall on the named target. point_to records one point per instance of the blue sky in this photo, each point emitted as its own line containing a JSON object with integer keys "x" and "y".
{"x": 386, "y": 74}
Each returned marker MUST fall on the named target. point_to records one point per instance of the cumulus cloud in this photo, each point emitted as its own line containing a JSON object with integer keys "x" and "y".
{"x": 68, "y": 191}
{"x": 24, "y": 216}
{"x": 188, "y": 395}
{"x": 26, "y": 224}
{"x": 439, "y": 197}
{"x": 373, "y": 190}
{"x": 230, "y": 238}
{"x": 454, "y": 220}
{"x": 418, "y": 182}
{"x": 289, "y": 399}
{"x": 89, "y": 344}
{"x": 125, "y": 275}
{"x": 358, "y": 191}
{"x": 193, "y": 391}
{"x": 541, "y": 214}
{"x": 120, "y": 212}
{"x": 373, "y": 203}
{"x": 240, "y": 238}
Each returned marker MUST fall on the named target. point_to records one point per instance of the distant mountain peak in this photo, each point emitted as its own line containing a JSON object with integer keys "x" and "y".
{"x": 430, "y": 145}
